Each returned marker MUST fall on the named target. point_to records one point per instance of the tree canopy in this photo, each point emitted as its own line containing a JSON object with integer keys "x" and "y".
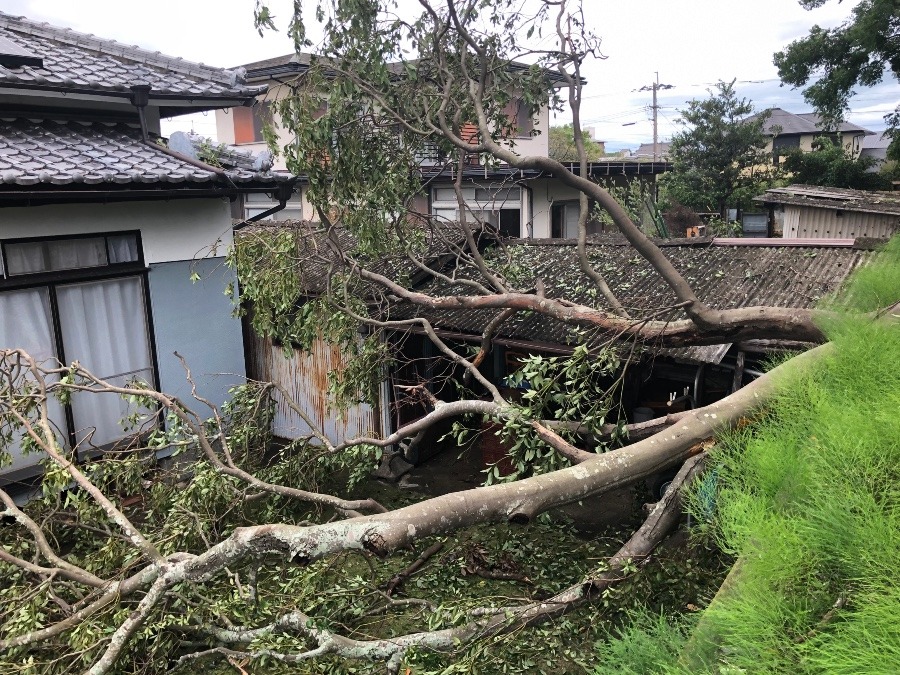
{"x": 830, "y": 164}
{"x": 859, "y": 52}
{"x": 564, "y": 149}
{"x": 720, "y": 159}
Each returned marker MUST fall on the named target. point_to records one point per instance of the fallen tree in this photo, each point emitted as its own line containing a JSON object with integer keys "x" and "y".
{"x": 219, "y": 556}
{"x": 148, "y": 574}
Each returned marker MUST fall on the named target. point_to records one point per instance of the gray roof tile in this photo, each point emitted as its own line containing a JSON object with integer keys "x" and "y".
{"x": 725, "y": 277}
{"x": 74, "y": 60}
{"x": 843, "y": 199}
{"x": 789, "y": 123}
{"x": 62, "y": 152}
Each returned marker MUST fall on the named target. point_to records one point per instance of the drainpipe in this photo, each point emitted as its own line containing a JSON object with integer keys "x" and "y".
{"x": 283, "y": 192}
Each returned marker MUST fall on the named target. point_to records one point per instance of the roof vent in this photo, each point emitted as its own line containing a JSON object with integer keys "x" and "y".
{"x": 14, "y": 56}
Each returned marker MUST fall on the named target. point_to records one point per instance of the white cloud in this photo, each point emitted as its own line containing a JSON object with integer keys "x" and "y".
{"x": 692, "y": 43}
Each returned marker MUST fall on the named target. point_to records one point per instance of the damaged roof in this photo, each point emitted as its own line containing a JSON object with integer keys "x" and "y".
{"x": 724, "y": 274}
{"x": 65, "y": 152}
{"x": 842, "y": 199}
{"x": 66, "y": 60}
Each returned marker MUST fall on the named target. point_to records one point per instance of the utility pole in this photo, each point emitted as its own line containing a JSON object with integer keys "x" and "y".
{"x": 655, "y": 86}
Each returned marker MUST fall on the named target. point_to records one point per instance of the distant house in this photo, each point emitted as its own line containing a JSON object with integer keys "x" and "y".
{"x": 788, "y": 131}
{"x": 661, "y": 151}
{"x": 519, "y": 203}
{"x": 876, "y": 146}
{"x": 812, "y": 212}
{"x": 102, "y": 225}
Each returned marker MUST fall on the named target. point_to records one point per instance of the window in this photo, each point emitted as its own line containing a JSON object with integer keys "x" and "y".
{"x": 249, "y": 122}
{"x": 79, "y": 298}
{"x": 499, "y": 206}
{"x": 520, "y": 118}
{"x": 57, "y": 255}
{"x": 783, "y": 144}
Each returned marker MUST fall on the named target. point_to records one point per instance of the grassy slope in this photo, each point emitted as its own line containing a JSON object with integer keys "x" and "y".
{"x": 808, "y": 500}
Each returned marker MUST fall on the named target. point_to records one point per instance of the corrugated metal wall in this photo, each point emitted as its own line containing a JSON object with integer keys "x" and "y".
{"x": 803, "y": 222}
{"x": 305, "y": 376}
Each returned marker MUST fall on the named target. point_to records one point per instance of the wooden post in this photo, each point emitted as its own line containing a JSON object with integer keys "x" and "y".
{"x": 738, "y": 372}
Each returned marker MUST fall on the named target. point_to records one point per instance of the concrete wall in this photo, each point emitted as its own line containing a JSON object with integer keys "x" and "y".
{"x": 195, "y": 319}
{"x": 546, "y": 191}
{"x": 170, "y": 230}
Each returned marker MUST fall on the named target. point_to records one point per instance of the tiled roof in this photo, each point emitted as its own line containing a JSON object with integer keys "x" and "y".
{"x": 63, "y": 152}
{"x": 803, "y": 123}
{"x": 842, "y": 199}
{"x": 74, "y": 61}
{"x": 723, "y": 276}
{"x": 646, "y": 150}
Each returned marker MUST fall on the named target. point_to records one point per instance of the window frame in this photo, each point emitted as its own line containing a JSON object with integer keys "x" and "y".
{"x": 51, "y": 280}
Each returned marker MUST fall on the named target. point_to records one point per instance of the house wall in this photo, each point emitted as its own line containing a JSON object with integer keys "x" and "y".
{"x": 196, "y": 320}
{"x": 803, "y": 222}
{"x": 853, "y": 143}
{"x": 305, "y": 377}
{"x": 538, "y": 144}
{"x": 546, "y": 191}
{"x": 225, "y": 127}
{"x": 180, "y": 229}
{"x": 186, "y": 317}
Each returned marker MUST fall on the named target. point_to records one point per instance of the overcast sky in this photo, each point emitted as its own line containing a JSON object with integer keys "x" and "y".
{"x": 691, "y": 43}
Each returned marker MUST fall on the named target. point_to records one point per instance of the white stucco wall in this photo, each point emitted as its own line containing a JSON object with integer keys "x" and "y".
{"x": 538, "y": 145}
{"x": 174, "y": 230}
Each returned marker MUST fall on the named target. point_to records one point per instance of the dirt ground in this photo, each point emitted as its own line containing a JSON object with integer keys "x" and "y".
{"x": 454, "y": 469}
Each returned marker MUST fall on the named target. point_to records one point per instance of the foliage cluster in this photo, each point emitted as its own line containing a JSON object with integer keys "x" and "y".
{"x": 719, "y": 159}
{"x": 830, "y": 164}
{"x": 563, "y": 148}
{"x": 859, "y": 52}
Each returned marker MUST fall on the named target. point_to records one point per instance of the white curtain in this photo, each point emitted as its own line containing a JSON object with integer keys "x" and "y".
{"x": 25, "y": 258}
{"x": 122, "y": 248}
{"x": 48, "y": 256}
{"x": 25, "y": 324}
{"x": 104, "y": 327}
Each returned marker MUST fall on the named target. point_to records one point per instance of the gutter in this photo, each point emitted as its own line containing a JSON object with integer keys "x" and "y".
{"x": 140, "y": 97}
{"x": 283, "y": 192}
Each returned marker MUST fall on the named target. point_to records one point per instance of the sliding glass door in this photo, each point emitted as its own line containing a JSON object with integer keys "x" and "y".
{"x": 104, "y": 326}
{"x": 79, "y": 299}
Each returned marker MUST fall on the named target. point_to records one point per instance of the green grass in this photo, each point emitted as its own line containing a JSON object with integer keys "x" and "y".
{"x": 807, "y": 500}
{"x": 647, "y": 644}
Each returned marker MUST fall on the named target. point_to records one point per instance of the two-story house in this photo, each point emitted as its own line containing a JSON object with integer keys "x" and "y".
{"x": 103, "y": 227}
{"x": 787, "y": 131}
{"x": 518, "y": 203}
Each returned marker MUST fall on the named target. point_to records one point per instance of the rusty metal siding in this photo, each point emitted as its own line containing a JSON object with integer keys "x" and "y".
{"x": 305, "y": 377}
{"x": 806, "y": 222}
